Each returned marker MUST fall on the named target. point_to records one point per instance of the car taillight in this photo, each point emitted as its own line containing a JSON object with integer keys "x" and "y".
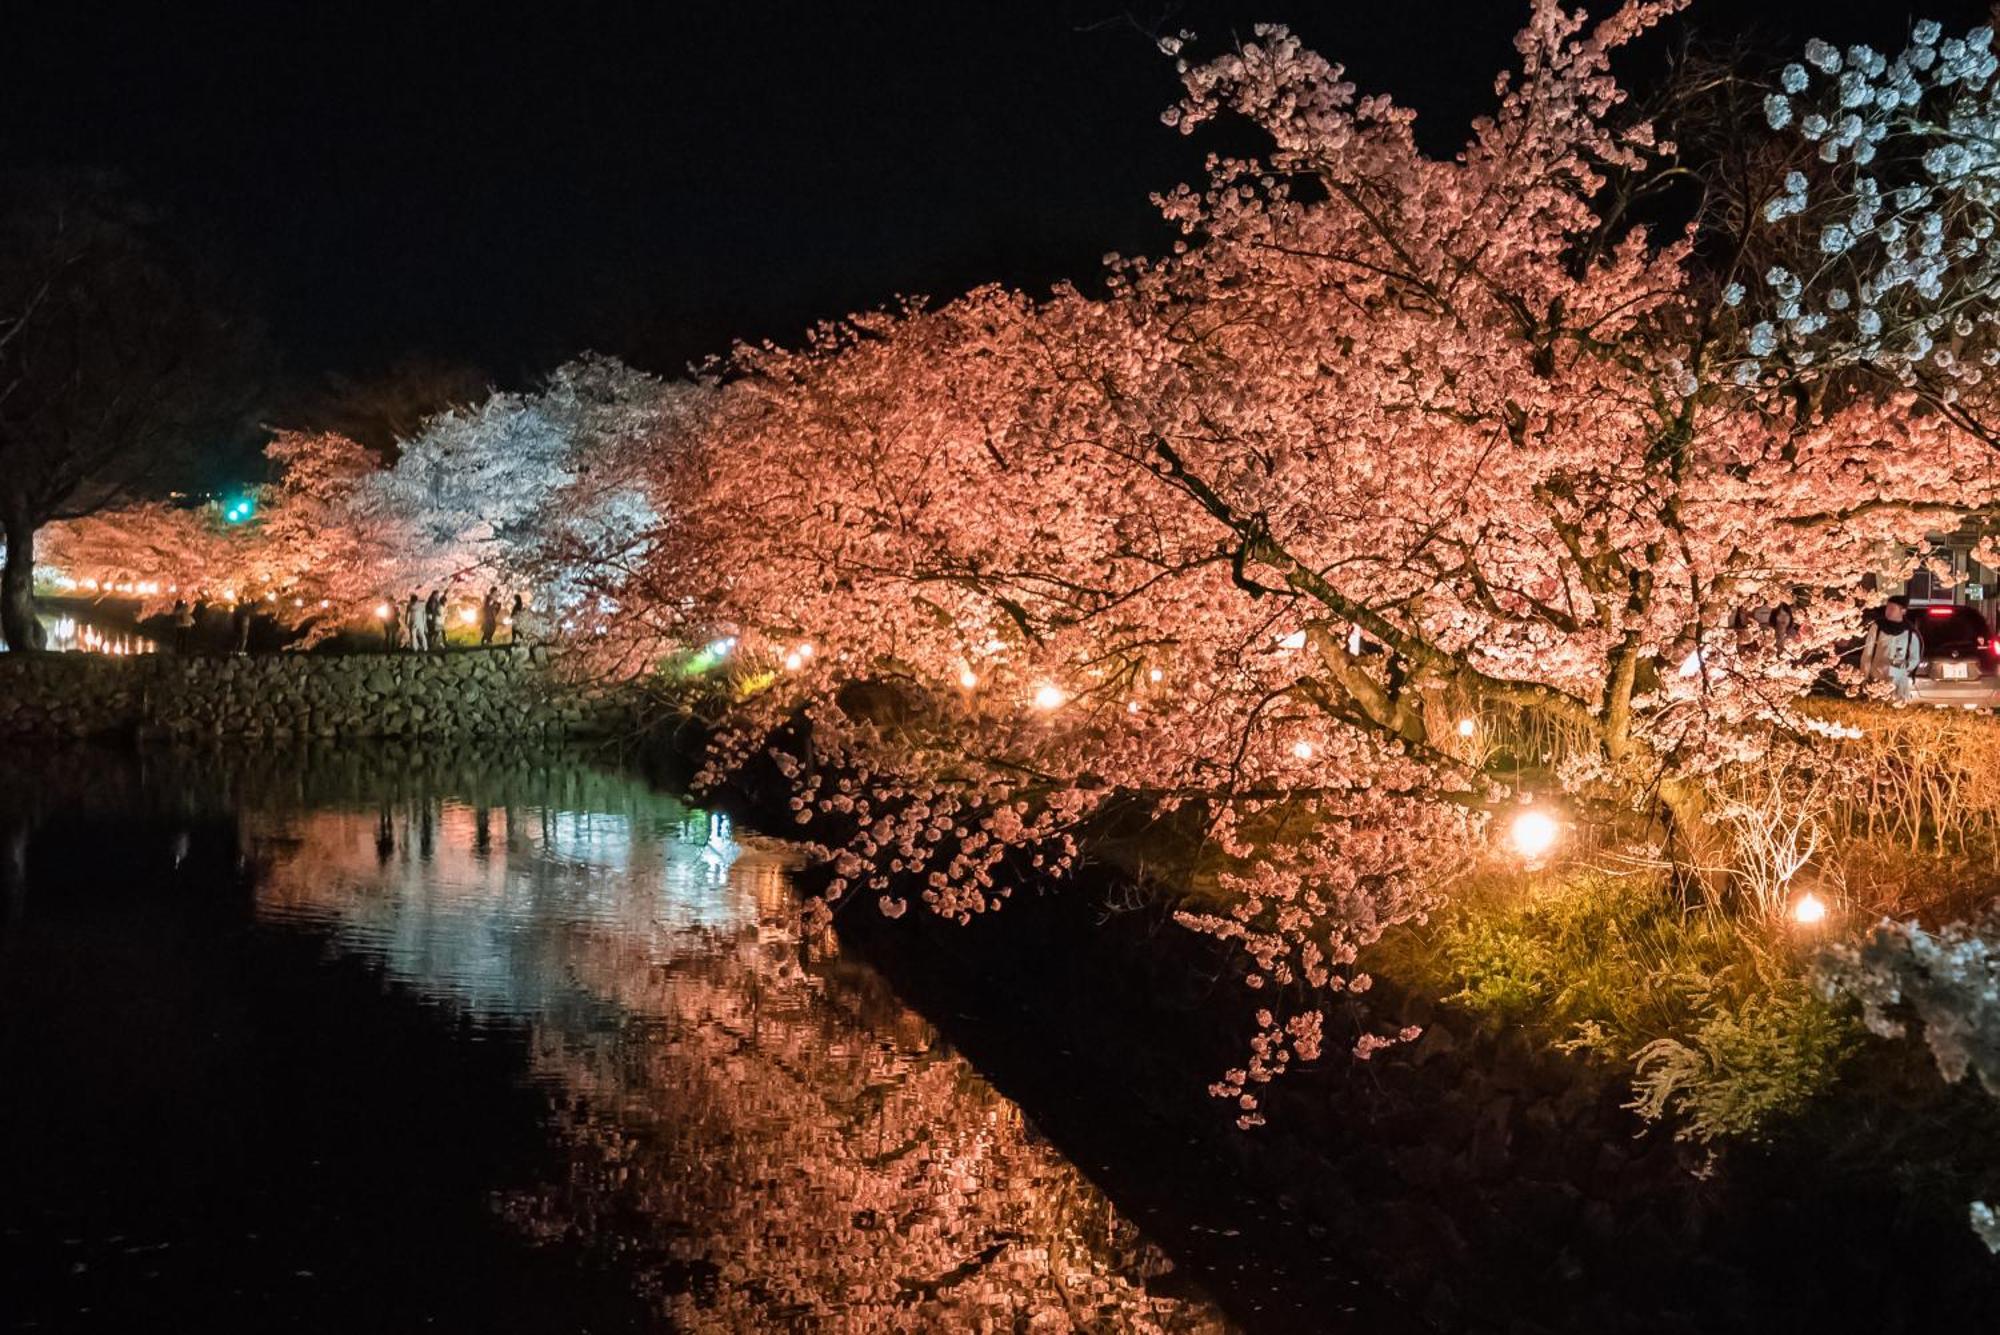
{"x": 1939, "y": 611}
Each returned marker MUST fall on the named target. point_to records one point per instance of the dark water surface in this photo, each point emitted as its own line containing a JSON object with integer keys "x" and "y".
{"x": 379, "y": 1041}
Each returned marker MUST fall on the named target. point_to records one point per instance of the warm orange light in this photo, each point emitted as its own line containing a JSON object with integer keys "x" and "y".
{"x": 1534, "y": 833}
{"x": 968, "y": 678}
{"x": 1809, "y": 911}
{"x": 1049, "y": 696}
{"x": 1466, "y": 727}
{"x": 1302, "y": 749}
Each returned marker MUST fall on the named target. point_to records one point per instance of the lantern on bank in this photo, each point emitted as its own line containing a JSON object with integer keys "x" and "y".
{"x": 1533, "y": 833}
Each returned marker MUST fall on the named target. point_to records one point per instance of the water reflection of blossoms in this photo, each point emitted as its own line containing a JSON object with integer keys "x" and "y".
{"x": 769, "y": 1130}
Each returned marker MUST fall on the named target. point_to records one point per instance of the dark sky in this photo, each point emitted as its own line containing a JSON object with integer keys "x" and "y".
{"x": 507, "y": 186}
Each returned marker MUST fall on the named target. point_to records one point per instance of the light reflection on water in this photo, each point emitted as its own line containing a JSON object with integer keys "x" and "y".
{"x": 787, "y": 1143}
{"x": 64, "y": 633}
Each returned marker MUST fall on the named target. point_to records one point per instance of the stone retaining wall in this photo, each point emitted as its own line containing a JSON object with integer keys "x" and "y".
{"x": 469, "y": 692}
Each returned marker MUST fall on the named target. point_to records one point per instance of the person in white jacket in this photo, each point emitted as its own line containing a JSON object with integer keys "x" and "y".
{"x": 413, "y": 616}
{"x": 1891, "y": 650}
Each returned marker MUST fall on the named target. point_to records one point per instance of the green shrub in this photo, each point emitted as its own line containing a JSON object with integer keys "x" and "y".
{"x": 1746, "y": 1065}
{"x": 1503, "y": 970}
{"x": 1718, "y": 1017}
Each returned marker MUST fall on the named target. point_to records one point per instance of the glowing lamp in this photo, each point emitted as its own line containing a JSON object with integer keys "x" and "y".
{"x": 468, "y": 615}
{"x": 382, "y": 611}
{"x": 1131, "y": 706}
{"x": 794, "y": 661}
{"x": 1533, "y": 833}
{"x": 806, "y": 650}
{"x": 1303, "y": 750}
{"x": 1466, "y": 727}
{"x": 968, "y": 678}
{"x": 1809, "y": 911}
{"x": 1049, "y": 696}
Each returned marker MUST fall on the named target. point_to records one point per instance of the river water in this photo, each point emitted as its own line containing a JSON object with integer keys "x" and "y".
{"x": 385, "y": 1040}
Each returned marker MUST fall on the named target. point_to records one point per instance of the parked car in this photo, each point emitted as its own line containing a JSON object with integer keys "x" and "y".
{"x": 1961, "y": 661}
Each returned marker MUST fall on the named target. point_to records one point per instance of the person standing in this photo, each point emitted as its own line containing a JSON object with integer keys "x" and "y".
{"x": 514, "y": 619}
{"x": 489, "y": 615}
{"x": 183, "y": 625}
{"x": 434, "y": 619}
{"x": 239, "y": 628}
{"x": 392, "y": 627}
{"x": 1890, "y": 648}
{"x": 413, "y": 612}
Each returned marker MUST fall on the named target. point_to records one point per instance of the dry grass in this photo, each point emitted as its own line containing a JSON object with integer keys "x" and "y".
{"x": 1914, "y": 813}
{"x": 1927, "y": 777}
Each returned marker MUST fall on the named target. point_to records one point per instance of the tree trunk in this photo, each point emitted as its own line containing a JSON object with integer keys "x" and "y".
{"x": 1703, "y": 859}
{"x": 18, "y": 625}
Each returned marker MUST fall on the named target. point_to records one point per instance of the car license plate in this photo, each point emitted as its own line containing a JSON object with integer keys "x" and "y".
{"x": 1954, "y": 671}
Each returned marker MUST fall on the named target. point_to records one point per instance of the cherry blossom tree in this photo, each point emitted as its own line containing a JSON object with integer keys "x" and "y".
{"x": 535, "y": 490}
{"x": 539, "y": 487}
{"x": 315, "y": 552}
{"x": 1875, "y": 253}
{"x": 158, "y": 552}
{"x": 1390, "y": 450}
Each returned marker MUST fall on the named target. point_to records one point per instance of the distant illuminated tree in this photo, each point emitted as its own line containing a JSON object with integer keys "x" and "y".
{"x": 158, "y": 552}
{"x": 308, "y": 551}
{"x": 537, "y": 491}
{"x": 542, "y": 487}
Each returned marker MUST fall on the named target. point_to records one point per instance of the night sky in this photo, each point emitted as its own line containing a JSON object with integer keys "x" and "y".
{"x": 507, "y": 187}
